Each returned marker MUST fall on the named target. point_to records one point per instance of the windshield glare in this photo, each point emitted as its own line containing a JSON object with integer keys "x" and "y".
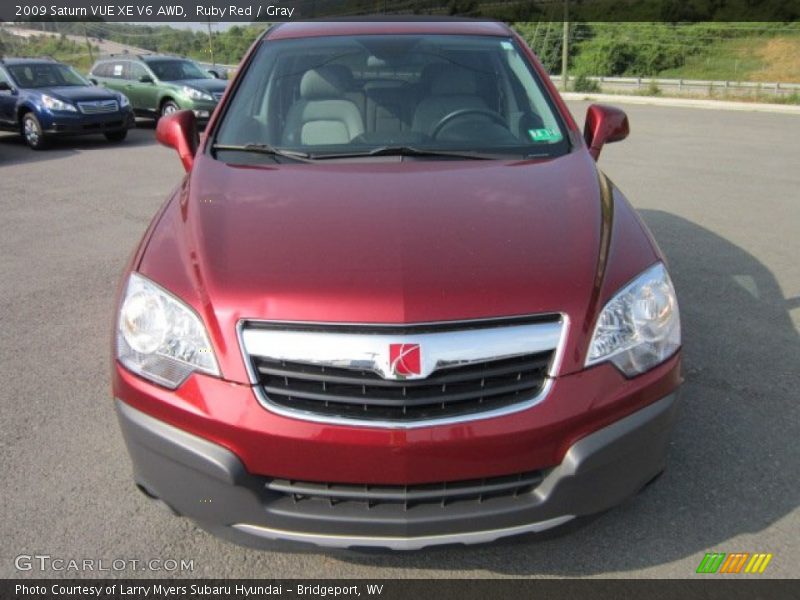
{"x": 177, "y": 70}
{"x": 344, "y": 95}
{"x": 45, "y": 75}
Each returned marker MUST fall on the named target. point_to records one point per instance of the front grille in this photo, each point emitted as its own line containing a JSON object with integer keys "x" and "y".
{"x": 98, "y": 107}
{"x": 447, "y": 392}
{"x": 218, "y": 96}
{"x": 405, "y": 497}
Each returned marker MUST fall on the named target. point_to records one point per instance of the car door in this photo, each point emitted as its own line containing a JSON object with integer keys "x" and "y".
{"x": 113, "y": 75}
{"x": 8, "y": 101}
{"x": 142, "y": 94}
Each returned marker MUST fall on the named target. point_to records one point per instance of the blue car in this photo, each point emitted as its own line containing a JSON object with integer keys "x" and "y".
{"x": 41, "y": 98}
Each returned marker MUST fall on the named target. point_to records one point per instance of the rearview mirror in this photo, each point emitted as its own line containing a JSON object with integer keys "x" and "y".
{"x": 604, "y": 124}
{"x": 179, "y": 131}
{"x": 145, "y": 79}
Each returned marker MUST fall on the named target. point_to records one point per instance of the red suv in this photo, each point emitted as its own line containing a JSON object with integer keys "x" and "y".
{"x": 394, "y": 302}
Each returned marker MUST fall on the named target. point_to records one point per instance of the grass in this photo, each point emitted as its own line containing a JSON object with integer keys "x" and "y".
{"x": 64, "y": 50}
{"x": 765, "y": 59}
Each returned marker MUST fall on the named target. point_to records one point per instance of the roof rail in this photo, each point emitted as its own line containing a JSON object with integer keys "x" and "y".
{"x": 169, "y": 54}
{"x": 42, "y": 57}
{"x": 115, "y": 54}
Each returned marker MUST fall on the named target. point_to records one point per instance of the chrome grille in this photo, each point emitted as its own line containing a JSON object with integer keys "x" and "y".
{"x": 218, "y": 96}
{"x": 349, "y": 374}
{"x": 98, "y": 107}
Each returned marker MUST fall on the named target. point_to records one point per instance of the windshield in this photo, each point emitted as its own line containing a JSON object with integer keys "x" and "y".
{"x": 40, "y": 75}
{"x": 177, "y": 70}
{"x": 407, "y": 94}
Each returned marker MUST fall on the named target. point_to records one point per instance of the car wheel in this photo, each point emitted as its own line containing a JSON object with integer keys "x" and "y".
{"x": 168, "y": 108}
{"x": 32, "y": 132}
{"x": 116, "y": 136}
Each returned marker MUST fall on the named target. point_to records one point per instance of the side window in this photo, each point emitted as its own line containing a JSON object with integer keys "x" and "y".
{"x": 117, "y": 70}
{"x": 4, "y": 78}
{"x": 136, "y": 71}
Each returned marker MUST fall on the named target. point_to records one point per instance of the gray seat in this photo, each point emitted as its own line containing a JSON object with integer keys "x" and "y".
{"x": 451, "y": 88}
{"x": 323, "y": 115}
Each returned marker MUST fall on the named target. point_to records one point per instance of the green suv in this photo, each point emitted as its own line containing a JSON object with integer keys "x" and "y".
{"x": 158, "y": 85}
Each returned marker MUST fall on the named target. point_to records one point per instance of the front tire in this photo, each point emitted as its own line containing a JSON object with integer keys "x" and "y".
{"x": 169, "y": 107}
{"x": 32, "y": 132}
{"x": 116, "y": 136}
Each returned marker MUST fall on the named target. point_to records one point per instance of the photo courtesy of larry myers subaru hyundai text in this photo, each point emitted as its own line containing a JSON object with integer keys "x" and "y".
{"x": 394, "y": 303}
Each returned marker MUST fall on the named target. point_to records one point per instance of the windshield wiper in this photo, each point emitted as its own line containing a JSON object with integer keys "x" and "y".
{"x": 265, "y": 149}
{"x": 409, "y": 151}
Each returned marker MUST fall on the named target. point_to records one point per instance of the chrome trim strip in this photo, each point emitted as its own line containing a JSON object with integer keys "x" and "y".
{"x": 399, "y": 543}
{"x": 552, "y": 336}
{"x": 370, "y": 352}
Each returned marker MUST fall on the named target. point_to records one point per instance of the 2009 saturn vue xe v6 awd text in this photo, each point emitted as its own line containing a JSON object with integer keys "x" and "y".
{"x": 393, "y": 302}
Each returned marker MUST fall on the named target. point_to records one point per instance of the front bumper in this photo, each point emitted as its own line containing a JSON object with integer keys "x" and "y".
{"x": 202, "y": 109}
{"x": 80, "y": 124}
{"x": 210, "y": 484}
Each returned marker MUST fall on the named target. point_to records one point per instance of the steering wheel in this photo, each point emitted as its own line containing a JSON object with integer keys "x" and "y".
{"x": 462, "y": 112}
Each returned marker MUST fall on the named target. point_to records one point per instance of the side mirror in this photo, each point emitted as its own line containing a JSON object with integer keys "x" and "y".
{"x": 92, "y": 81}
{"x": 604, "y": 124}
{"x": 145, "y": 79}
{"x": 214, "y": 74}
{"x": 5, "y": 87}
{"x": 179, "y": 131}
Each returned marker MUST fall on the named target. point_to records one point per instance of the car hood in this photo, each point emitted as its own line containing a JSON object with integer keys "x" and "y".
{"x": 80, "y": 93}
{"x": 384, "y": 242}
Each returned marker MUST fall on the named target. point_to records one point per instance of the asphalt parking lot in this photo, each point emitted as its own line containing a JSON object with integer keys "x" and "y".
{"x": 720, "y": 191}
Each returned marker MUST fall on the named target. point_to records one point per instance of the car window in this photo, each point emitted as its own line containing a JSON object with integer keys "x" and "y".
{"x": 117, "y": 70}
{"x": 39, "y": 75}
{"x": 177, "y": 70}
{"x": 343, "y": 94}
{"x": 4, "y": 78}
{"x": 136, "y": 71}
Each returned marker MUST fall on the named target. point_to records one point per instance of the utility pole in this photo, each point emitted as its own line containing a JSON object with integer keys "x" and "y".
{"x": 565, "y": 47}
{"x": 88, "y": 45}
{"x": 211, "y": 43}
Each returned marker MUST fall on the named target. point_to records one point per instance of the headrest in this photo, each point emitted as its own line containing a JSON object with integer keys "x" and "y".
{"x": 329, "y": 81}
{"x": 454, "y": 81}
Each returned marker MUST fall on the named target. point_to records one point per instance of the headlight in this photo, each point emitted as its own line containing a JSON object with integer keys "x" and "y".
{"x": 123, "y": 101}
{"x": 159, "y": 337}
{"x": 196, "y": 94}
{"x": 51, "y": 103}
{"x": 640, "y": 326}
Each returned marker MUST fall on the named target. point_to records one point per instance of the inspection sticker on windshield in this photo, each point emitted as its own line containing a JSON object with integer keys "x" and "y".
{"x": 544, "y": 135}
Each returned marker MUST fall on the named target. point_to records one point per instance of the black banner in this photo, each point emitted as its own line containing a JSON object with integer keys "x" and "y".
{"x": 506, "y": 10}
{"x": 459, "y": 589}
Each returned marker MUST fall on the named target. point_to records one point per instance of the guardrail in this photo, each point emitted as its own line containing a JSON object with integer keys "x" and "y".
{"x": 690, "y": 86}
